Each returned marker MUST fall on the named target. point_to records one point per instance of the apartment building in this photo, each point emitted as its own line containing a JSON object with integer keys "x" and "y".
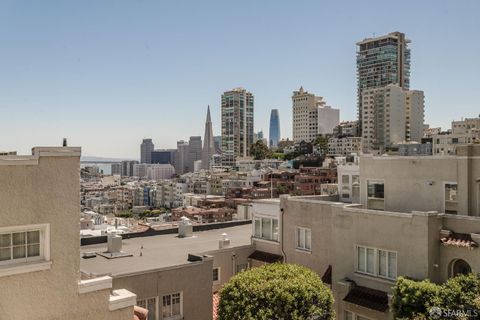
{"x": 413, "y": 217}
{"x": 381, "y": 61}
{"x": 237, "y": 125}
{"x": 344, "y": 146}
{"x": 462, "y": 132}
{"x": 391, "y": 115}
{"x": 328, "y": 119}
{"x": 175, "y": 276}
{"x": 305, "y": 108}
{"x": 39, "y": 237}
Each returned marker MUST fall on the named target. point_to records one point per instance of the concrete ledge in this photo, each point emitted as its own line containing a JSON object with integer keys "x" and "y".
{"x": 8, "y": 270}
{"x": 90, "y": 285}
{"x": 121, "y": 298}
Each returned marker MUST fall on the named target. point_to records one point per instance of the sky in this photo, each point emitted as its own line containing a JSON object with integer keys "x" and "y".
{"x": 106, "y": 74}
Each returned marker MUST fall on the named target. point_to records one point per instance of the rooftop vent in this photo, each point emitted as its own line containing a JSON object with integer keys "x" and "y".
{"x": 224, "y": 242}
{"x": 114, "y": 247}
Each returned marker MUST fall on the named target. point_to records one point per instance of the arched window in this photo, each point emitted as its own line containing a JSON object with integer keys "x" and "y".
{"x": 459, "y": 266}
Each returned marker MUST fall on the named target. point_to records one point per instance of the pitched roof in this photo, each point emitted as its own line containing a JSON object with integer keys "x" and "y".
{"x": 216, "y": 302}
{"x": 265, "y": 257}
{"x": 459, "y": 240}
{"x": 368, "y": 298}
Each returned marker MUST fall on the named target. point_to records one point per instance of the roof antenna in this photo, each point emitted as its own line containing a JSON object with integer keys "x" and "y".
{"x": 64, "y": 142}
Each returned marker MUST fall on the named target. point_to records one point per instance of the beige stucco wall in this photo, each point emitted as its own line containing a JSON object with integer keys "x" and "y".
{"x": 48, "y": 192}
{"x": 193, "y": 280}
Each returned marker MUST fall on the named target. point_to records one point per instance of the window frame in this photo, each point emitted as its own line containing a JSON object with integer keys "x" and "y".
{"x": 218, "y": 275}
{"x": 44, "y": 243}
{"x": 144, "y": 304}
{"x": 177, "y": 316}
{"x": 274, "y": 236}
{"x": 297, "y": 245}
{"x": 376, "y": 262}
{"x": 355, "y": 316}
{"x": 445, "y": 183}
{"x": 382, "y": 181}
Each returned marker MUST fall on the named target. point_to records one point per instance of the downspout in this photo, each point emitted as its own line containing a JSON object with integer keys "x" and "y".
{"x": 281, "y": 241}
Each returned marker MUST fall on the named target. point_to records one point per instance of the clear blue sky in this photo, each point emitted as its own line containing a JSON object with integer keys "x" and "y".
{"x": 106, "y": 74}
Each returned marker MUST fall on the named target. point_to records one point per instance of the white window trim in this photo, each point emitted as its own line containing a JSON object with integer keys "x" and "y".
{"x": 175, "y": 317}
{"x": 375, "y": 263}
{"x": 43, "y": 262}
{"x": 356, "y": 315}
{"x": 297, "y": 245}
{"x": 443, "y": 193}
{"x": 271, "y": 229}
{"x": 219, "y": 275}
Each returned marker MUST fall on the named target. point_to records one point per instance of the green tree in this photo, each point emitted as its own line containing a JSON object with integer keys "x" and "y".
{"x": 415, "y": 299}
{"x": 260, "y": 151}
{"x": 322, "y": 143}
{"x": 276, "y": 291}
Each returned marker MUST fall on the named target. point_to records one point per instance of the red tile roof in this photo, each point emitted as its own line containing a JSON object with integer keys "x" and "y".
{"x": 216, "y": 302}
{"x": 459, "y": 240}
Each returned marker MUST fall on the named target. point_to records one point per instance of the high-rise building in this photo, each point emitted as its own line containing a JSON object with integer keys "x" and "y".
{"x": 208, "y": 143}
{"x": 165, "y": 156}
{"x": 237, "y": 125}
{"x": 182, "y": 157}
{"x": 146, "y": 149}
{"x": 328, "y": 119}
{"x": 127, "y": 168}
{"x": 116, "y": 169}
{"x": 305, "y": 115}
{"x": 274, "y": 131}
{"x": 218, "y": 144}
{"x": 195, "y": 151}
{"x": 382, "y": 61}
{"x": 391, "y": 115}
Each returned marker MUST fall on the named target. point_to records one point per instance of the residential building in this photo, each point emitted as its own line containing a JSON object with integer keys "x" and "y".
{"x": 237, "y": 125}
{"x": 208, "y": 143}
{"x": 305, "y": 115}
{"x": 159, "y": 172}
{"x": 391, "y": 115}
{"x": 424, "y": 213}
{"x": 346, "y": 129}
{"x": 146, "y": 149}
{"x": 381, "y": 61}
{"x": 176, "y": 277}
{"x": 328, "y": 119}
{"x": 344, "y": 146}
{"x": 465, "y": 131}
{"x": 414, "y": 149}
{"x": 274, "y": 131}
{"x": 39, "y": 243}
{"x": 140, "y": 170}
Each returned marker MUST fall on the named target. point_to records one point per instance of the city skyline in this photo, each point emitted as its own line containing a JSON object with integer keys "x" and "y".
{"x": 93, "y": 76}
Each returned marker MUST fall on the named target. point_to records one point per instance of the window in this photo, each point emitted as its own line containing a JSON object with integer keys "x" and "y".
{"x": 377, "y": 262}
{"x": 23, "y": 244}
{"x": 172, "y": 306}
{"x": 451, "y": 202}
{"x": 216, "y": 275}
{"x": 151, "y": 305}
{"x": 375, "y": 195}
{"x": 266, "y": 228}
{"x": 304, "y": 239}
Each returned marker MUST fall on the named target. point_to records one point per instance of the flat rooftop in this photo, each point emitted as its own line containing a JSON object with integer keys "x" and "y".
{"x": 161, "y": 251}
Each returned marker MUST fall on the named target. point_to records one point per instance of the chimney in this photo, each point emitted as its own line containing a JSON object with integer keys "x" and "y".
{"x": 114, "y": 243}
{"x": 224, "y": 242}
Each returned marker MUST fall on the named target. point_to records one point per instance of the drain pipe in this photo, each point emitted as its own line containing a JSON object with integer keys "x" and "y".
{"x": 281, "y": 244}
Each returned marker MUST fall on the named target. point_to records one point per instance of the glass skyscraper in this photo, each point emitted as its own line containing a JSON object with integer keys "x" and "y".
{"x": 274, "y": 132}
